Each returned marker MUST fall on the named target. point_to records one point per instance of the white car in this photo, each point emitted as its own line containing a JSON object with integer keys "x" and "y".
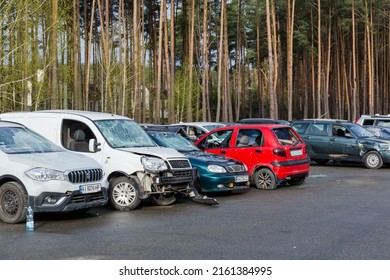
{"x": 35, "y": 172}
{"x": 136, "y": 167}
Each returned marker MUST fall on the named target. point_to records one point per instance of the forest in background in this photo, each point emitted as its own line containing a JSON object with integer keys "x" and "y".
{"x": 201, "y": 60}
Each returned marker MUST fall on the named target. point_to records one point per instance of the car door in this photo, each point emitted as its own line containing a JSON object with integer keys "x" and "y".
{"x": 343, "y": 143}
{"x": 229, "y": 145}
{"x": 252, "y": 152}
{"x": 317, "y": 138}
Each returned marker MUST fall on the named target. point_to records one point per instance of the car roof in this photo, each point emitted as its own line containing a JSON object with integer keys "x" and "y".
{"x": 254, "y": 126}
{"x": 198, "y": 123}
{"x": 88, "y": 114}
{"x": 376, "y": 116}
{"x": 10, "y": 124}
{"x": 322, "y": 120}
{"x": 262, "y": 120}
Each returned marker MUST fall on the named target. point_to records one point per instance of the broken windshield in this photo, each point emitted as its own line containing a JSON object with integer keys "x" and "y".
{"x": 121, "y": 133}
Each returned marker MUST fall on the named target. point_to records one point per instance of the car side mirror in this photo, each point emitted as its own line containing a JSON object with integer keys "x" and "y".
{"x": 94, "y": 146}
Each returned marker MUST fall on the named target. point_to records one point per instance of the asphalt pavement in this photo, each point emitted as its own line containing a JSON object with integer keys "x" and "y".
{"x": 341, "y": 212}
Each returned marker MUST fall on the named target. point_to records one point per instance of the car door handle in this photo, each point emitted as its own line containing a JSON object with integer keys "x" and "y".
{"x": 332, "y": 139}
{"x": 258, "y": 151}
{"x": 223, "y": 152}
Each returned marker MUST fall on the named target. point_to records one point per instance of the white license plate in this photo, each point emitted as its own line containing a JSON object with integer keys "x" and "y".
{"x": 90, "y": 188}
{"x": 295, "y": 153}
{"x": 242, "y": 178}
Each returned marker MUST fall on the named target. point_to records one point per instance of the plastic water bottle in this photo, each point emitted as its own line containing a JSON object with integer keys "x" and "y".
{"x": 29, "y": 219}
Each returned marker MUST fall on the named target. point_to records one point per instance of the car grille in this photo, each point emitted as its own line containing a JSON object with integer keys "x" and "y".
{"x": 85, "y": 176}
{"x": 179, "y": 164}
{"x": 184, "y": 173}
{"x": 85, "y": 198}
{"x": 235, "y": 168}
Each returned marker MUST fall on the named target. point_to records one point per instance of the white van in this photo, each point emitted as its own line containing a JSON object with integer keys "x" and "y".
{"x": 136, "y": 167}
{"x": 35, "y": 172}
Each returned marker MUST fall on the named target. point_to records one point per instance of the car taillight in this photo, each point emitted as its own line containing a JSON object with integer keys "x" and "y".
{"x": 280, "y": 152}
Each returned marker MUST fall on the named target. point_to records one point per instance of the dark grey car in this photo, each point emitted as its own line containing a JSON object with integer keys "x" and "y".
{"x": 342, "y": 141}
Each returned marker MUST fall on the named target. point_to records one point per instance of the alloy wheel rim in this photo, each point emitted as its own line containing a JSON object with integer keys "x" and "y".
{"x": 124, "y": 194}
{"x": 10, "y": 203}
{"x": 373, "y": 160}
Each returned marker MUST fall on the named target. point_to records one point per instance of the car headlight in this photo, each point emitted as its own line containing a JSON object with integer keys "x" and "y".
{"x": 45, "y": 174}
{"x": 216, "y": 168}
{"x": 153, "y": 164}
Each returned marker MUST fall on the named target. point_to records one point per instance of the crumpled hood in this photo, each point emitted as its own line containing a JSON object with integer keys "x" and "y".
{"x": 160, "y": 152}
{"x": 61, "y": 161}
{"x": 210, "y": 158}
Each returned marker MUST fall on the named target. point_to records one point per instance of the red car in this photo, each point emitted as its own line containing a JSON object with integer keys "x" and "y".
{"x": 273, "y": 153}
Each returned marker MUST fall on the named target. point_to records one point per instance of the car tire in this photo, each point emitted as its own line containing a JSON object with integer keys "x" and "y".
{"x": 123, "y": 193}
{"x": 163, "y": 200}
{"x": 265, "y": 179}
{"x": 321, "y": 161}
{"x": 296, "y": 181}
{"x": 13, "y": 203}
{"x": 373, "y": 160}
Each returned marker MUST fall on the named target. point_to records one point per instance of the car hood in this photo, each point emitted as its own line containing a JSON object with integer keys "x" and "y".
{"x": 374, "y": 139}
{"x": 160, "y": 152}
{"x": 209, "y": 158}
{"x": 61, "y": 161}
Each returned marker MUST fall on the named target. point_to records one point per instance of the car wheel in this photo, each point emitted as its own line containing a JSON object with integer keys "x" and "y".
{"x": 163, "y": 200}
{"x": 321, "y": 161}
{"x": 13, "y": 203}
{"x": 265, "y": 179}
{"x": 373, "y": 160}
{"x": 124, "y": 193}
{"x": 296, "y": 181}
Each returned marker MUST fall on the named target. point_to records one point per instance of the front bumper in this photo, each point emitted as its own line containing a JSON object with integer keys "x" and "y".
{"x": 175, "y": 178}
{"x": 70, "y": 201}
{"x": 213, "y": 182}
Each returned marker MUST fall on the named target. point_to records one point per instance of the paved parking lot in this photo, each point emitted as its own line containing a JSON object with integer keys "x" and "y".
{"x": 340, "y": 212}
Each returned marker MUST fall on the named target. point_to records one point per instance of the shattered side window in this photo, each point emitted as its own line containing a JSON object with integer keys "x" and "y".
{"x": 124, "y": 134}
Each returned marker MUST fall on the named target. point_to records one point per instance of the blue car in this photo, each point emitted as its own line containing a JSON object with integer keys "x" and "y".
{"x": 215, "y": 173}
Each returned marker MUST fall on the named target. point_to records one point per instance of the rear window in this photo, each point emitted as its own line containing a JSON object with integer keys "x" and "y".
{"x": 286, "y": 136}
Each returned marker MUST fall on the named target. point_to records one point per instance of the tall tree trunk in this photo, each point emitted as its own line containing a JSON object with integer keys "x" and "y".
{"x": 290, "y": 51}
{"x": 319, "y": 58}
{"x": 238, "y": 84}
{"x": 172, "y": 63}
{"x": 54, "y": 56}
{"x": 137, "y": 57}
{"x": 220, "y": 60}
{"x": 159, "y": 63}
{"x": 327, "y": 69}
{"x": 205, "y": 64}
{"x": 77, "y": 93}
{"x": 271, "y": 65}
{"x": 190, "y": 61}
{"x": 354, "y": 78}
{"x": 88, "y": 55}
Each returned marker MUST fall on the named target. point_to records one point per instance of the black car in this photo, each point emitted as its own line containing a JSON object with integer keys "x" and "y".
{"x": 340, "y": 141}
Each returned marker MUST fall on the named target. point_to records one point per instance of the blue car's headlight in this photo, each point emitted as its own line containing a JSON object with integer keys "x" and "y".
{"x": 45, "y": 174}
{"x": 153, "y": 164}
{"x": 216, "y": 168}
